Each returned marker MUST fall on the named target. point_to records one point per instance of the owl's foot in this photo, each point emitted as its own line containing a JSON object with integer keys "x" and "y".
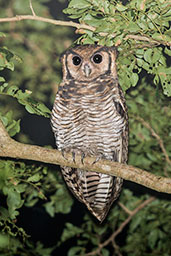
{"x": 64, "y": 151}
{"x": 80, "y": 152}
{"x": 74, "y": 153}
{"x": 97, "y": 159}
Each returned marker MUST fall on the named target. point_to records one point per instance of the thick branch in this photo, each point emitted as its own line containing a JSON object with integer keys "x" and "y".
{"x": 13, "y": 149}
{"x": 80, "y": 27}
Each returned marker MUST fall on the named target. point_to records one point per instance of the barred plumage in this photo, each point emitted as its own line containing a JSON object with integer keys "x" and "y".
{"x": 90, "y": 117}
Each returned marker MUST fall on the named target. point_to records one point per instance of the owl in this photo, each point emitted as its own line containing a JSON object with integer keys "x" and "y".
{"x": 89, "y": 118}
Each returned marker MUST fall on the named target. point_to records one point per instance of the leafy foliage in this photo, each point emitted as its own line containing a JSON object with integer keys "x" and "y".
{"x": 31, "y": 105}
{"x": 140, "y": 30}
{"x": 117, "y": 24}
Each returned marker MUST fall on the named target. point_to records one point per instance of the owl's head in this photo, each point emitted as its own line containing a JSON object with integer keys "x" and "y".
{"x": 87, "y": 62}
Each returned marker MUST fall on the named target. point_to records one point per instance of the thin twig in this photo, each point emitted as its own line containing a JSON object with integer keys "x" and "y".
{"x": 125, "y": 208}
{"x": 80, "y": 27}
{"x": 31, "y": 7}
{"x": 122, "y": 226}
{"x": 47, "y": 20}
{"x": 154, "y": 134}
{"x": 117, "y": 249}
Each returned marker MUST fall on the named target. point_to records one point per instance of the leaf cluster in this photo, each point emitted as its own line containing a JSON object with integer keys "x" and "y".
{"x": 39, "y": 46}
{"x": 125, "y": 26}
{"x": 147, "y": 234}
{"x": 24, "y": 185}
{"x": 145, "y": 105}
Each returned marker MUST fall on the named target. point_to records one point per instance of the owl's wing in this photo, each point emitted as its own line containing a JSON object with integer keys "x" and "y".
{"x": 119, "y": 155}
{"x": 121, "y": 109}
{"x": 107, "y": 188}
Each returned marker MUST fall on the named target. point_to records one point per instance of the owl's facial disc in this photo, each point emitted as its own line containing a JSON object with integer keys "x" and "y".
{"x": 87, "y": 63}
{"x": 87, "y": 70}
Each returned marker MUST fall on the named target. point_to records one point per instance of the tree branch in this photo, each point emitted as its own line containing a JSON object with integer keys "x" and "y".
{"x": 13, "y": 149}
{"x": 122, "y": 226}
{"x": 154, "y": 134}
{"x": 80, "y": 27}
{"x": 31, "y": 7}
{"x": 47, "y": 20}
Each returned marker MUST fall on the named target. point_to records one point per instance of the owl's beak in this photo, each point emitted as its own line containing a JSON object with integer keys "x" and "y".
{"x": 87, "y": 70}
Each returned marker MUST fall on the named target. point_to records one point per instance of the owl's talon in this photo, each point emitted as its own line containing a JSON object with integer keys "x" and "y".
{"x": 82, "y": 158}
{"x": 97, "y": 159}
{"x": 63, "y": 154}
{"x": 73, "y": 157}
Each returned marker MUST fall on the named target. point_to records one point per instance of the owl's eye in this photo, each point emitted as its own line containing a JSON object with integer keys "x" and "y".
{"x": 76, "y": 60}
{"x": 97, "y": 58}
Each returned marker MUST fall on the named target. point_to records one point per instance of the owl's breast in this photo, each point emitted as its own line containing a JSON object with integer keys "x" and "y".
{"x": 88, "y": 121}
{"x": 103, "y": 126}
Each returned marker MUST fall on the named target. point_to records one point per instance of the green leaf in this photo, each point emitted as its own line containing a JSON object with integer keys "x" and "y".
{"x": 4, "y": 241}
{"x": 79, "y": 4}
{"x": 2, "y": 79}
{"x": 35, "y": 178}
{"x": 156, "y": 56}
{"x": 135, "y": 223}
{"x": 5, "y": 58}
{"x": 30, "y": 109}
{"x": 152, "y": 238}
{"x": 2, "y": 34}
{"x": 10, "y": 65}
{"x": 148, "y": 54}
{"x": 105, "y": 26}
{"x": 12, "y": 90}
{"x": 3, "y": 86}
{"x": 134, "y": 79}
{"x": 93, "y": 21}
{"x": 63, "y": 201}
{"x": 43, "y": 109}
{"x": 121, "y": 7}
{"x": 70, "y": 231}
{"x": 13, "y": 201}
{"x": 74, "y": 251}
{"x": 167, "y": 51}
{"x": 105, "y": 252}
{"x": 133, "y": 27}
{"x": 14, "y": 128}
{"x": 164, "y": 70}
{"x": 165, "y": 84}
{"x": 50, "y": 208}
{"x": 2, "y": 60}
{"x": 162, "y": 37}
{"x": 140, "y": 62}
